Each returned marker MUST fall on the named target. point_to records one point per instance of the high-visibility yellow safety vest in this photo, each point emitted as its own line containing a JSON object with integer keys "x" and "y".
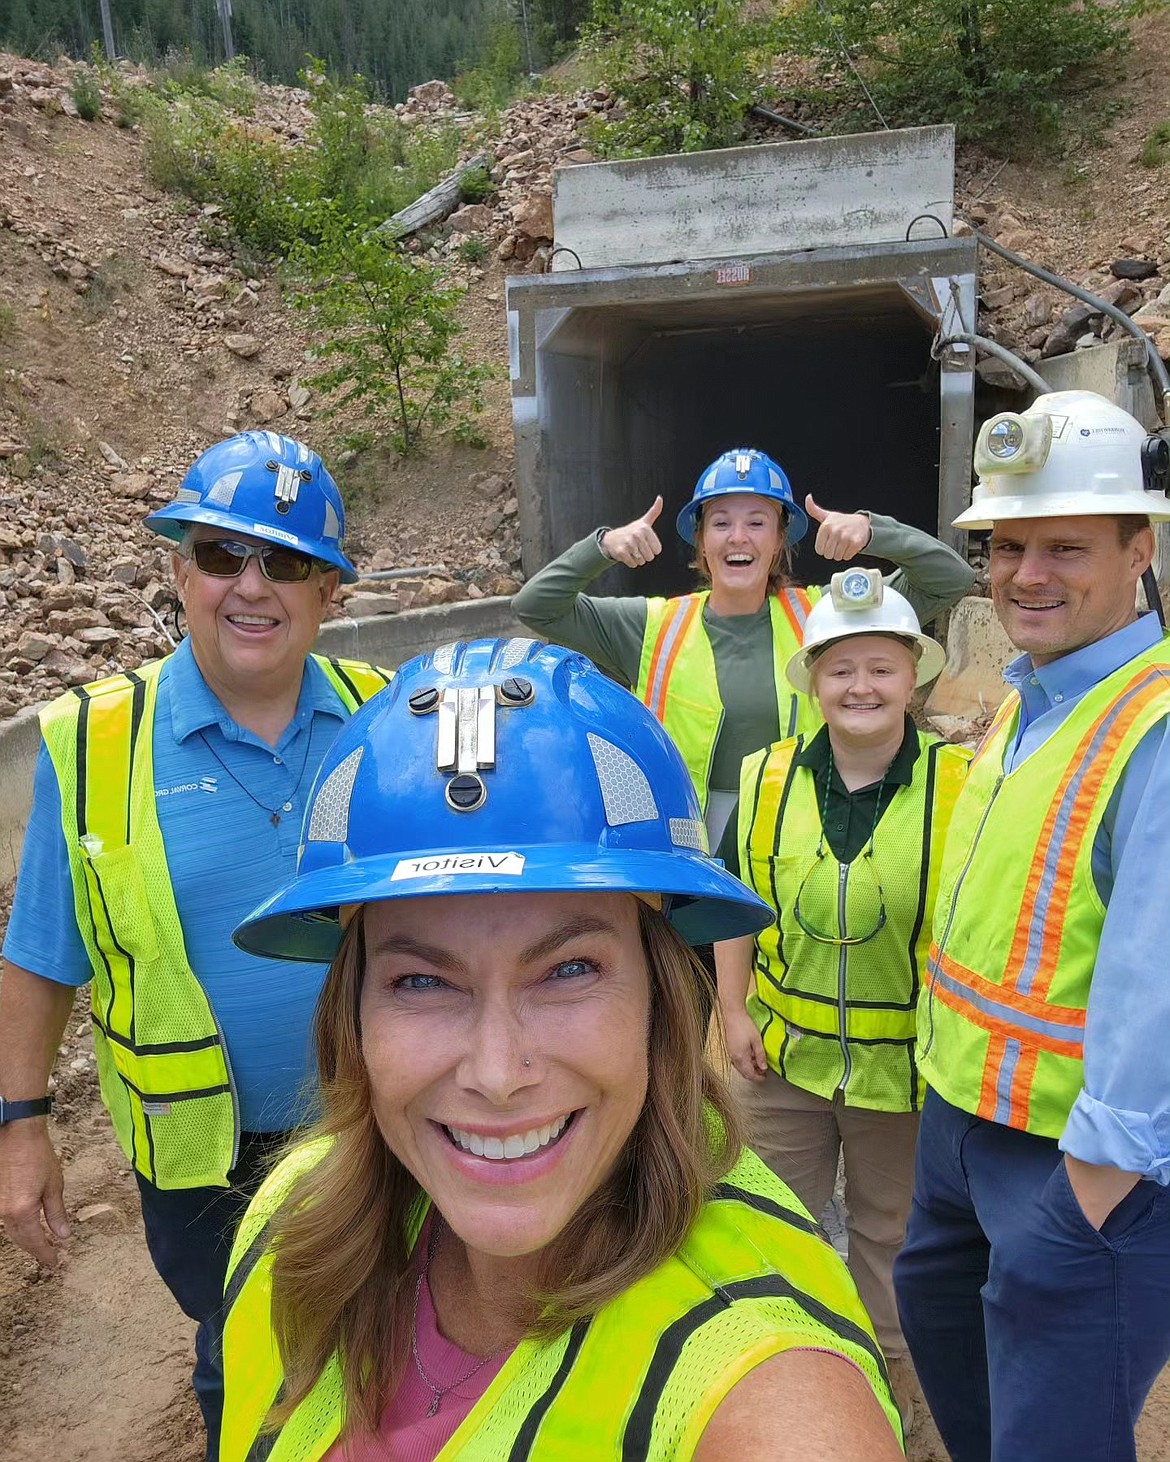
{"x": 841, "y": 1017}
{"x": 677, "y": 680}
{"x": 1019, "y": 919}
{"x": 161, "y": 1060}
{"x": 640, "y": 1380}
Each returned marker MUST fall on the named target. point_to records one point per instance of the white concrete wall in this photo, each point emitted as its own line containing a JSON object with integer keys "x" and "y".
{"x": 773, "y": 198}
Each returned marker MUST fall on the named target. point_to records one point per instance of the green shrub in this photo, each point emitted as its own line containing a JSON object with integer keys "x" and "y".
{"x": 7, "y": 323}
{"x": 472, "y": 251}
{"x": 475, "y": 185}
{"x": 87, "y": 95}
{"x": 998, "y": 69}
{"x": 362, "y": 166}
{"x": 387, "y": 331}
{"x": 1156, "y": 148}
{"x": 684, "y": 75}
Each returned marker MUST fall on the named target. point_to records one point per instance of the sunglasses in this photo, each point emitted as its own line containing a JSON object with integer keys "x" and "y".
{"x": 828, "y": 896}
{"x": 225, "y": 558}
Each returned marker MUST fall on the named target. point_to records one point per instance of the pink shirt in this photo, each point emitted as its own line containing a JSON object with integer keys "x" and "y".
{"x": 406, "y": 1433}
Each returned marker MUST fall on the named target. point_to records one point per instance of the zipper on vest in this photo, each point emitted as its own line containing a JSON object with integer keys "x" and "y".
{"x": 842, "y": 964}
{"x": 942, "y": 943}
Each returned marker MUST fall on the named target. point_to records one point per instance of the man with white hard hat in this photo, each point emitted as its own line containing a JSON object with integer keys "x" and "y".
{"x": 1034, "y": 1287}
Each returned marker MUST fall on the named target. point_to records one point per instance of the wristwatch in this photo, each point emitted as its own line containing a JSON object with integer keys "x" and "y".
{"x": 14, "y": 1111}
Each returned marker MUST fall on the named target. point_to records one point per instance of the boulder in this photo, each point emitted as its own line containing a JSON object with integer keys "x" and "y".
{"x": 267, "y": 404}
{"x": 245, "y": 346}
{"x": 996, "y": 299}
{"x": 977, "y": 650}
{"x": 362, "y": 605}
{"x": 471, "y": 218}
{"x": 1132, "y": 268}
{"x": 533, "y": 218}
{"x": 34, "y": 646}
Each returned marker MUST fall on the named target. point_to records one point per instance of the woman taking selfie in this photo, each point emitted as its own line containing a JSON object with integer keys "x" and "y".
{"x": 525, "y": 1226}
{"x": 842, "y": 834}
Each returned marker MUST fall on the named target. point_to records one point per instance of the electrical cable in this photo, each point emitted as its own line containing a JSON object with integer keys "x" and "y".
{"x": 992, "y": 347}
{"x": 831, "y": 23}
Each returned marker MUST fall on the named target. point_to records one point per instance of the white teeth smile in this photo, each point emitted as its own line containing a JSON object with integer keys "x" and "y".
{"x": 264, "y": 620}
{"x": 518, "y": 1144}
{"x": 740, "y": 558}
{"x": 1043, "y": 604}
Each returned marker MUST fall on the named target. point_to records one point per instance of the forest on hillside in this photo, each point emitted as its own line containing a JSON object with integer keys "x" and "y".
{"x": 394, "y": 43}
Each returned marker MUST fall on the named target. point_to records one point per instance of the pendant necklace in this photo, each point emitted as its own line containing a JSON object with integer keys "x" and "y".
{"x": 437, "y": 1392}
{"x": 273, "y": 812}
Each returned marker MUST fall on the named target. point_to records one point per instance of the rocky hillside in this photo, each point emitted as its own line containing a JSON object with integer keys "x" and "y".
{"x": 130, "y": 338}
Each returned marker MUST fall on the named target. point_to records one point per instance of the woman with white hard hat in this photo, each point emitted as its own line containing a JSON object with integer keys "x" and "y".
{"x": 841, "y": 833}
{"x": 710, "y": 664}
{"x": 526, "y": 1226}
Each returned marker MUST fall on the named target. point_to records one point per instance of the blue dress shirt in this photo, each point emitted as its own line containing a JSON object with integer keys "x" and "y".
{"x": 216, "y": 787}
{"x": 1122, "y": 1116}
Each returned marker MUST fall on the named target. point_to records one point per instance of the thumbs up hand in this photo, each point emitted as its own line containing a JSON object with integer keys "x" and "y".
{"x": 636, "y": 543}
{"x": 840, "y": 536}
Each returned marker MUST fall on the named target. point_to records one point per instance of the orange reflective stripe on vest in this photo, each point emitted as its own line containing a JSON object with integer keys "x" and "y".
{"x": 796, "y": 605}
{"x": 1032, "y": 962}
{"x": 1018, "y": 926}
{"x": 671, "y": 637}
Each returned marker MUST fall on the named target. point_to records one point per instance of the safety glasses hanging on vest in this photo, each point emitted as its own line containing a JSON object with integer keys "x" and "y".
{"x": 822, "y": 860}
{"x": 227, "y": 558}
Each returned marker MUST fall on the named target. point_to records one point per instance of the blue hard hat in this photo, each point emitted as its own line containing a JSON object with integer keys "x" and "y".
{"x": 266, "y": 486}
{"x": 743, "y": 469}
{"x": 500, "y": 766}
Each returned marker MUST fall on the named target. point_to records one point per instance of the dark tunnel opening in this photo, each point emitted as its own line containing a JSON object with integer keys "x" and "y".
{"x": 838, "y": 387}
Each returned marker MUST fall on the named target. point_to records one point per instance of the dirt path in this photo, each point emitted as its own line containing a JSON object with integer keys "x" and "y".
{"x": 95, "y": 1360}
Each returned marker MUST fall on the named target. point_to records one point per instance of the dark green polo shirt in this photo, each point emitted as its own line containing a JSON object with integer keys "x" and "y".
{"x": 848, "y": 816}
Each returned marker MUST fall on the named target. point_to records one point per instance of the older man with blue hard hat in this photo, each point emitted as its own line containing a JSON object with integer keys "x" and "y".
{"x": 166, "y": 802}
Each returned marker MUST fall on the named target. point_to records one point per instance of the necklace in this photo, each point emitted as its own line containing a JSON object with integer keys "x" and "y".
{"x": 437, "y": 1392}
{"x": 273, "y": 812}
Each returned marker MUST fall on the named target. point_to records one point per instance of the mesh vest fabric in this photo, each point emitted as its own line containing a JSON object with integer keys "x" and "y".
{"x": 803, "y": 989}
{"x": 638, "y": 1382}
{"x": 677, "y": 678}
{"x": 1018, "y": 919}
{"x": 161, "y": 1061}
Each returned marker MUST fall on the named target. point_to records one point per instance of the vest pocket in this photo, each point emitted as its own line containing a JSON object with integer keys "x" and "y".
{"x": 121, "y": 909}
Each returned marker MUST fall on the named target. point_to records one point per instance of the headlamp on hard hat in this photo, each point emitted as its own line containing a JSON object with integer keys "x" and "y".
{"x": 1012, "y": 443}
{"x": 857, "y": 589}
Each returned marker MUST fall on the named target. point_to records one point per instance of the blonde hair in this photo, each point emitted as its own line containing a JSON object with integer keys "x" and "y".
{"x": 779, "y": 575}
{"x": 341, "y": 1277}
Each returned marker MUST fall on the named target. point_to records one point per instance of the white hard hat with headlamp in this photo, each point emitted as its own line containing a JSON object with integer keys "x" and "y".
{"x": 859, "y": 602}
{"x": 1071, "y": 454}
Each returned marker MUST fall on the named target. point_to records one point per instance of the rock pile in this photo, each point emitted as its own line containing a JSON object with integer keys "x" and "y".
{"x": 1038, "y": 321}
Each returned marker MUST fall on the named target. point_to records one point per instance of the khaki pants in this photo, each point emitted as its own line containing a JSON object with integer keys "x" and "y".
{"x": 799, "y": 1135}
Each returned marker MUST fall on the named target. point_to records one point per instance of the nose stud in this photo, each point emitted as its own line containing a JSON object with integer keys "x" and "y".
{"x": 526, "y": 1062}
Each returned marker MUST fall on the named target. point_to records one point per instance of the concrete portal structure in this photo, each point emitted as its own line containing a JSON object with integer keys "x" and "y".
{"x": 628, "y": 379}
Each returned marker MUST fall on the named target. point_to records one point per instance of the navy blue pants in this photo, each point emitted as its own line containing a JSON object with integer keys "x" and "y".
{"x": 1035, "y": 1338}
{"x": 189, "y": 1233}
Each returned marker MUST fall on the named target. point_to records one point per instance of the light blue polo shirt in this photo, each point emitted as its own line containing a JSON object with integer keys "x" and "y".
{"x": 225, "y": 857}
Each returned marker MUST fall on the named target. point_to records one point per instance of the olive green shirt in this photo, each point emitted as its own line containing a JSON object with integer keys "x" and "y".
{"x": 610, "y": 630}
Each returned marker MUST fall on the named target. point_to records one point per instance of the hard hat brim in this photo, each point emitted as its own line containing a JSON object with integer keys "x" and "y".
{"x": 706, "y": 903}
{"x": 174, "y": 520}
{"x": 989, "y": 510}
{"x": 795, "y": 518}
{"x": 930, "y": 662}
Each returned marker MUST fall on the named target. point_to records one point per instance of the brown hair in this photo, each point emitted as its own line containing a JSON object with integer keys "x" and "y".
{"x": 779, "y": 575}
{"x": 341, "y": 1280}
{"x": 1129, "y": 525}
